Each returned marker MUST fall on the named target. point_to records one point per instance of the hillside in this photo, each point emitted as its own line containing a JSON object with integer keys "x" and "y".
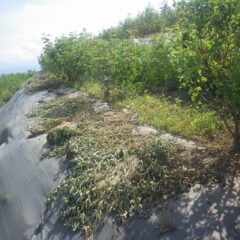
{"x": 133, "y": 133}
{"x": 32, "y": 176}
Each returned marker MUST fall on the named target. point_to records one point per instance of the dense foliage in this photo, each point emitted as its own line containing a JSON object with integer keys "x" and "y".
{"x": 114, "y": 63}
{"x": 208, "y": 56}
{"x": 195, "y": 45}
{"x": 150, "y": 21}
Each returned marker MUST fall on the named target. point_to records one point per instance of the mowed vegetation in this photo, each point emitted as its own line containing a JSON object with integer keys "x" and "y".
{"x": 10, "y": 83}
{"x": 113, "y": 168}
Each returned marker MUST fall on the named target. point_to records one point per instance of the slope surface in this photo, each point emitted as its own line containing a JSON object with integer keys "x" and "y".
{"x": 25, "y": 180}
{"x": 206, "y": 212}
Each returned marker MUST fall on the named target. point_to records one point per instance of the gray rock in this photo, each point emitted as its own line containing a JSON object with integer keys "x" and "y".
{"x": 180, "y": 141}
{"x": 100, "y": 107}
{"x": 25, "y": 180}
{"x": 127, "y": 111}
{"x": 76, "y": 95}
{"x": 109, "y": 113}
{"x": 145, "y": 130}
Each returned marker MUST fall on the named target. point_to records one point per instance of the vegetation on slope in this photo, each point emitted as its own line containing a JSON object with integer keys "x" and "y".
{"x": 113, "y": 169}
{"x": 148, "y": 22}
{"x": 42, "y": 81}
{"x": 196, "y": 122}
{"x": 10, "y": 83}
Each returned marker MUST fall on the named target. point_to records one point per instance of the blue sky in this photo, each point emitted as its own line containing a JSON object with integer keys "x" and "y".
{"x": 4, "y": 5}
{"x": 22, "y": 23}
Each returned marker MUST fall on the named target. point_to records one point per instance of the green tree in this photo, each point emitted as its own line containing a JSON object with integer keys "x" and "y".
{"x": 208, "y": 56}
{"x": 69, "y": 57}
{"x": 161, "y": 73}
{"x": 116, "y": 64}
{"x": 147, "y": 22}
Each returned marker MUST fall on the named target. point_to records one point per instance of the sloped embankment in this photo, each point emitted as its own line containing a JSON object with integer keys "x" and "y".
{"x": 117, "y": 166}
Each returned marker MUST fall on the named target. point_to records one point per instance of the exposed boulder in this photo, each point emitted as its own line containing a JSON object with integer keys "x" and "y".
{"x": 76, "y": 95}
{"x": 180, "y": 141}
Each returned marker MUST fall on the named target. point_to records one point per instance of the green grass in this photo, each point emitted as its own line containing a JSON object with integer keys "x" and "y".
{"x": 191, "y": 122}
{"x": 10, "y": 83}
{"x": 197, "y": 123}
{"x": 89, "y": 87}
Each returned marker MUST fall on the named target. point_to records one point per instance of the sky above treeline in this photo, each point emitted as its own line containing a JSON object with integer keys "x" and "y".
{"x": 22, "y": 23}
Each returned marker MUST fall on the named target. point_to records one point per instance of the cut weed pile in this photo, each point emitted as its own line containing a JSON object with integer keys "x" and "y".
{"x": 42, "y": 81}
{"x": 114, "y": 169}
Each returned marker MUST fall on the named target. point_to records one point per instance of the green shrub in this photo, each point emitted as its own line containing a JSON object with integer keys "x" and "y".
{"x": 160, "y": 73}
{"x": 207, "y": 54}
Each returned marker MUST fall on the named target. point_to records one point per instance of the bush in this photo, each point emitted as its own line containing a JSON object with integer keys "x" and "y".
{"x": 160, "y": 73}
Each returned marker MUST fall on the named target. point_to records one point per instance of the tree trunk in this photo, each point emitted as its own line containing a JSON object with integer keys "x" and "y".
{"x": 106, "y": 94}
{"x": 236, "y": 137}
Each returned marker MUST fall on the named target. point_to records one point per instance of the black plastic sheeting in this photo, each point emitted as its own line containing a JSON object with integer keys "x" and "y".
{"x": 25, "y": 179}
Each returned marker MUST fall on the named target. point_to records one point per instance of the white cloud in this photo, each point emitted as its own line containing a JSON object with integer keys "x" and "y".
{"x": 21, "y": 29}
{"x": 19, "y": 49}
